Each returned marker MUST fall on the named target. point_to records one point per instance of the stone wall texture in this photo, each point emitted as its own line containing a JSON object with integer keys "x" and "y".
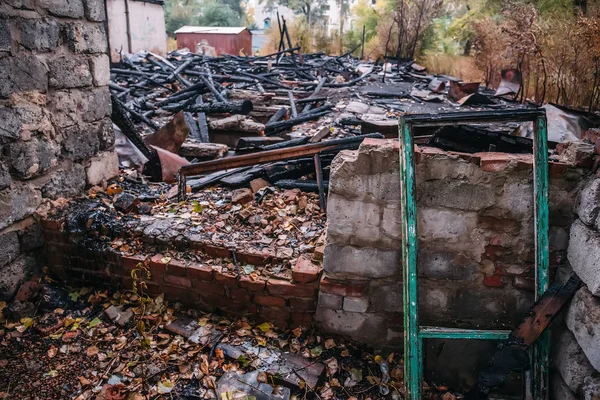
{"x": 476, "y": 239}
{"x": 577, "y": 346}
{"x": 54, "y": 118}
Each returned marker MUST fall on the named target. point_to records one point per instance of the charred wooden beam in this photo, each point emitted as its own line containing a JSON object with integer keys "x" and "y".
{"x": 277, "y": 127}
{"x": 302, "y": 184}
{"x": 292, "y": 104}
{"x": 202, "y": 124}
{"x": 273, "y": 155}
{"x": 308, "y": 106}
{"x": 120, "y": 116}
{"x": 278, "y": 115}
{"x": 232, "y": 107}
{"x": 512, "y": 355}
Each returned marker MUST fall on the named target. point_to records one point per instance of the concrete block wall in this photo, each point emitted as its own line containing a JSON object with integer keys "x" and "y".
{"x": 577, "y": 347}
{"x": 55, "y": 131}
{"x": 476, "y": 243}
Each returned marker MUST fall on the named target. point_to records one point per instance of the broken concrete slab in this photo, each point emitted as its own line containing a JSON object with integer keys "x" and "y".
{"x": 570, "y": 361}
{"x": 559, "y": 389}
{"x": 190, "y": 329}
{"x": 183, "y": 326}
{"x": 591, "y": 388}
{"x": 233, "y": 385}
{"x": 292, "y": 369}
{"x": 102, "y": 167}
{"x": 588, "y": 204}
{"x": 584, "y": 255}
{"x": 119, "y": 315}
{"x": 583, "y": 320}
{"x": 202, "y": 151}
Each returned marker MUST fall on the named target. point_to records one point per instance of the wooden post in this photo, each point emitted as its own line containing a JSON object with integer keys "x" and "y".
{"x": 362, "y": 49}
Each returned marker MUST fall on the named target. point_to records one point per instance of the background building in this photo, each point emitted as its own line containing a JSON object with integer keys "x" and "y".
{"x": 135, "y": 25}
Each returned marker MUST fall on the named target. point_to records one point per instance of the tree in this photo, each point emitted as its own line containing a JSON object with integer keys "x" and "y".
{"x": 202, "y": 13}
{"x": 181, "y": 12}
{"x": 218, "y": 14}
{"x": 312, "y": 10}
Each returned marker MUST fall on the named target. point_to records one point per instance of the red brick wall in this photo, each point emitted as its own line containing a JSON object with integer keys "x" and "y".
{"x": 285, "y": 303}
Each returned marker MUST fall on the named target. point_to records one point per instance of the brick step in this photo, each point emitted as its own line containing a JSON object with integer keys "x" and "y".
{"x": 284, "y": 302}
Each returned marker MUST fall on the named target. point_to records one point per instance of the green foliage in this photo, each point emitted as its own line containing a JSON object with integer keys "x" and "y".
{"x": 366, "y": 16}
{"x": 202, "y": 13}
{"x": 312, "y": 10}
{"x": 217, "y": 14}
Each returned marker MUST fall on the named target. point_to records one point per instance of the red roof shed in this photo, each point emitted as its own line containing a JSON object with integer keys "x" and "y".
{"x": 225, "y": 40}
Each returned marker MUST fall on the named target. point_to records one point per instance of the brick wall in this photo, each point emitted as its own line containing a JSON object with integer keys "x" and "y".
{"x": 83, "y": 259}
{"x": 476, "y": 244}
{"x": 55, "y": 131}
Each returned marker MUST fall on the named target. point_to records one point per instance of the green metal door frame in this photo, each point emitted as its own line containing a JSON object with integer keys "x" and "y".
{"x": 413, "y": 333}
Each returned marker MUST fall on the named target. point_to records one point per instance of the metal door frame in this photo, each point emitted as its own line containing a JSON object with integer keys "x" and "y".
{"x": 413, "y": 333}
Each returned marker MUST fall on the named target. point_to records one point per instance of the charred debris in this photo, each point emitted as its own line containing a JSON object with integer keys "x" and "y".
{"x": 282, "y": 117}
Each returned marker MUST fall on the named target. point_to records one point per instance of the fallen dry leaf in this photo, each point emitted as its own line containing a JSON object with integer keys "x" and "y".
{"x": 92, "y": 351}
{"x": 52, "y": 352}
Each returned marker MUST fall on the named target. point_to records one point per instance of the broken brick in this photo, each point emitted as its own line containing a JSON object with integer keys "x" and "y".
{"x": 241, "y": 196}
{"x": 226, "y": 278}
{"x": 157, "y": 267}
{"x": 131, "y": 262}
{"x": 257, "y": 184}
{"x": 347, "y": 289}
{"x": 177, "y": 268}
{"x": 305, "y": 271}
{"x": 239, "y": 295}
{"x": 253, "y": 258}
{"x": 200, "y": 271}
{"x": 253, "y": 285}
{"x": 494, "y": 162}
{"x": 285, "y": 288}
{"x": 302, "y": 319}
{"x": 493, "y": 281}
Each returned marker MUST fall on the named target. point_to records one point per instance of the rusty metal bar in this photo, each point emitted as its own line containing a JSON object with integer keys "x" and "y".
{"x": 273, "y": 155}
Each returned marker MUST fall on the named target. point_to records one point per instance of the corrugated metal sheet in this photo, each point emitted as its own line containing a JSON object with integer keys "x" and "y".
{"x": 223, "y": 43}
{"x": 210, "y": 29}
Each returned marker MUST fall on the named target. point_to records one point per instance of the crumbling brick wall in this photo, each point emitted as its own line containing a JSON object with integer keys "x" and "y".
{"x": 55, "y": 131}
{"x": 476, "y": 241}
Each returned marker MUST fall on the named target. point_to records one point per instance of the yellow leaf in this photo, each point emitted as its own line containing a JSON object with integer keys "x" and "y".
{"x": 27, "y": 322}
{"x": 265, "y": 327}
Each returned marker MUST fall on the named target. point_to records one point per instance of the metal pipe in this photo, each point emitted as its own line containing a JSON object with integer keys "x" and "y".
{"x": 128, "y": 27}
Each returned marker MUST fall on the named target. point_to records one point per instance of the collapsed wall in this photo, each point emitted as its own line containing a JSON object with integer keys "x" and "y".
{"x": 476, "y": 240}
{"x": 476, "y": 258}
{"x": 55, "y": 131}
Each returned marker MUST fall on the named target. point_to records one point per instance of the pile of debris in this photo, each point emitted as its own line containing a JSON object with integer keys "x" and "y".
{"x": 81, "y": 343}
{"x": 132, "y": 217}
{"x": 237, "y": 119}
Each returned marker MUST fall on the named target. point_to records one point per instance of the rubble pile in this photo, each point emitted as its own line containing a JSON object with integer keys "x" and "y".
{"x": 82, "y": 343}
{"x": 211, "y": 108}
